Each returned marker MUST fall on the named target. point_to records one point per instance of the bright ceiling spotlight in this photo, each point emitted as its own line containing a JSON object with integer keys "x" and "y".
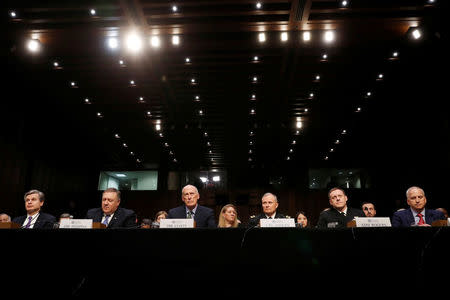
{"x": 175, "y": 40}
{"x": 34, "y": 45}
{"x": 298, "y": 124}
{"x": 306, "y": 36}
{"x": 155, "y": 41}
{"x": 262, "y": 37}
{"x": 416, "y": 34}
{"x": 328, "y": 36}
{"x": 133, "y": 42}
{"x": 258, "y": 5}
{"x": 113, "y": 43}
{"x": 284, "y": 36}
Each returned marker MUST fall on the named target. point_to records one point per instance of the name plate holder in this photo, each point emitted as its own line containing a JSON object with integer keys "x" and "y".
{"x": 76, "y": 223}
{"x": 370, "y": 222}
{"x": 177, "y": 223}
{"x": 282, "y": 222}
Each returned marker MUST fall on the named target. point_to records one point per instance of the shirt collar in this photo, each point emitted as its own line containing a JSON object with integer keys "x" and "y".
{"x": 193, "y": 210}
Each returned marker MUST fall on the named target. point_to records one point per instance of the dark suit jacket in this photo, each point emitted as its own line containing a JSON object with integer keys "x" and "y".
{"x": 123, "y": 218}
{"x": 203, "y": 217}
{"x": 43, "y": 221}
{"x": 255, "y": 220}
{"x": 334, "y": 219}
{"x": 405, "y": 218}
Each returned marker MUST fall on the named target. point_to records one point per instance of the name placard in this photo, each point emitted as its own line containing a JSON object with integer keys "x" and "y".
{"x": 373, "y": 222}
{"x": 285, "y": 222}
{"x": 76, "y": 223}
{"x": 176, "y": 223}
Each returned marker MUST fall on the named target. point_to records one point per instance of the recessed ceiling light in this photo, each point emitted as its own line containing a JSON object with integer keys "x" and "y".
{"x": 328, "y": 36}
{"x": 174, "y": 8}
{"x": 262, "y": 37}
{"x": 113, "y": 43}
{"x": 121, "y": 175}
{"x": 258, "y": 5}
{"x": 175, "y": 40}
{"x": 284, "y": 36}
{"x": 12, "y": 14}
{"x": 155, "y": 41}
{"x": 133, "y": 42}
{"x": 34, "y": 45}
{"x": 92, "y": 12}
{"x": 187, "y": 60}
{"x": 306, "y": 36}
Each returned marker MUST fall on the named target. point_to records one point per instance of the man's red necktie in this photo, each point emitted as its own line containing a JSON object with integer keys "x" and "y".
{"x": 421, "y": 220}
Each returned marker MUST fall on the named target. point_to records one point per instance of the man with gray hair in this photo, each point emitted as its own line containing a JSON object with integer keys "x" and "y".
{"x": 269, "y": 204}
{"x": 35, "y": 218}
{"x": 4, "y": 218}
{"x": 416, "y": 215}
{"x": 202, "y": 215}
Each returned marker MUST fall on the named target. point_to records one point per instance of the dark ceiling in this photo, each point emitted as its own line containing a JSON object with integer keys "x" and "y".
{"x": 220, "y": 38}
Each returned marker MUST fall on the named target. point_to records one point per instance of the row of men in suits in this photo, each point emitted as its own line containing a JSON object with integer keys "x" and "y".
{"x": 113, "y": 216}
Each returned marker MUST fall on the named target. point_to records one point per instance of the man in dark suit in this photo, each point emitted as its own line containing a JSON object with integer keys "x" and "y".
{"x": 35, "y": 218}
{"x": 269, "y": 203}
{"x": 339, "y": 214}
{"x": 110, "y": 213}
{"x": 203, "y": 216}
{"x": 416, "y": 215}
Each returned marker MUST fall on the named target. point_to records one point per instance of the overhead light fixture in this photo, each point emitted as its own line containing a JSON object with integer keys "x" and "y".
{"x": 298, "y": 124}
{"x": 284, "y": 36}
{"x": 328, "y": 36}
{"x": 258, "y": 5}
{"x": 132, "y": 83}
{"x": 216, "y": 178}
{"x": 174, "y": 8}
{"x": 155, "y": 41}
{"x": 255, "y": 58}
{"x": 92, "y": 12}
{"x": 12, "y": 14}
{"x": 121, "y": 175}
{"x": 113, "y": 43}
{"x": 187, "y": 60}
{"x": 262, "y": 37}
{"x": 197, "y": 98}
{"x": 204, "y": 179}
{"x": 255, "y": 79}
{"x": 117, "y": 136}
{"x": 380, "y": 77}
{"x": 306, "y": 36}
{"x": 34, "y": 45}
{"x": 416, "y": 34}
{"x": 87, "y": 101}
{"x": 125, "y": 145}
{"x": 133, "y": 42}
{"x": 175, "y": 40}
{"x": 158, "y": 127}
{"x": 99, "y": 115}
{"x": 344, "y": 3}
{"x": 73, "y": 85}
{"x": 141, "y": 99}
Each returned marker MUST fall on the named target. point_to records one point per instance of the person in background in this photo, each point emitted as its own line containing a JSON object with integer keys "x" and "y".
{"x": 146, "y": 223}
{"x": 162, "y": 214}
{"x": 35, "y": 218}
{"x": 110, "y": 213}
{"x": 339, "y": 214}
{"x": 202, "y": 215}
{"x": 4, "y": 218}
{"x": 369, "y": 209}
{"x": 228, "y": 217}
{"x": 269, "y": 204}
{"x": 416, "y": 215}
{"x": 301, "y": 220}
{"x": 444, "y": 211}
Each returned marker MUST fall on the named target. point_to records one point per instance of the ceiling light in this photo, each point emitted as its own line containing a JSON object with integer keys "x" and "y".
{"x": 93, "y": 12}
{"x": 132, "y": 83}
{"x": 294, "y": 142}
{"x": 416, "y": 34}
{"x": 121, "y": 175}
{"x": 87, "y": 101}
{"x": 208, "y": 144}
{"x": 117, "y": 136}
{"x": 157, "y": 127}
{"x": 298, "y": 124}
{"x": 332, "y": 150}
{"x": 297, "y": 132}
{"x": 255, "y": 58}
{"x": 205, "y": 134}
{"x": 291, "y": 150}
{"x": 358, "y": 109}
{"x": 197, "y": 98}
{"x": 306, "y": 110}
{"x": 328, "y": 36}
{"x": 166, "y": 144}
{"x": 125, "y": 145}
{"x": 253, "y": 97}
{"x": 161, "y": 134}
{"x": 284, "y": 36}
{"x": 99, "y": 114}
{"x": 73, "y": 84}
{"x": 317, "y": 78}
{"x": 175, "y": 40}
{"x": 113, "y": 43}
{"x": 249, "y": 159}
{"x": 250, "y": 151}
{"x": 344, "y": 3}
{"x": 149, "y": 113}
{"x": 155, "y": 41}
{"x": 200, "y": 112}
{"x": 395, "y": 54}
{"x": 204, "y": 179}
{"x": 311, "y": 95}
{"x": 131, "y": 153}
{"x": 326, "y": 158}
{"x": 133, "y": 42}
{"x": 380, "y": 76}
{"x": 337, "y": 142}
{"x": 252, "y": 111}
{"x": 187, "y": 60}
{"x": 324, "y": 57}
{"x": 174, "y": 8}
{"x": 344, "y": 131}
{"x": 121, "y": 63}
{"x": 34, "y": 45}
{"x": 255, "y": 79}
{"x": 288, "y": 158}
{"x": 141, "y": 99}
{"x": 368, "y": 94}
{"x": 258, "y": 5}
{"x": 193, "y": 80}
{"x": 12, "y": 14}
{"x": 55, "y": 64}
{"x": 216, "y": 178}
{"x": 306, "y": 36}
{"x": 262, "y": 37}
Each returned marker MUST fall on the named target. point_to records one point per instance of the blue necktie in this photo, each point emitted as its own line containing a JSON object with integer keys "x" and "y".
{"x": 105, "y": 221}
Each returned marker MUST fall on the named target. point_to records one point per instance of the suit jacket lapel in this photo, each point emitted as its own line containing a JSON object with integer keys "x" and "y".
{"x": 411, "y": 219}
{"x": 115, "y": 217}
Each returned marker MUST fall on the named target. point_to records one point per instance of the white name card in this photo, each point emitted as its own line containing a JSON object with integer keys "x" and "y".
{"x": 177, "y": 223}
{"x": 285, "y": 222}
{"x": 76, "y": 223}
{"x": 373, "y": 222}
